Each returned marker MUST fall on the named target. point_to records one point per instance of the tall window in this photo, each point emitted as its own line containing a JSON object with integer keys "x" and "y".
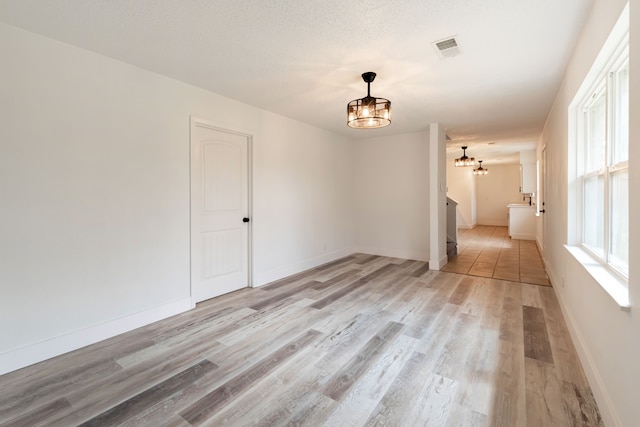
{"x": 603, "y": 164}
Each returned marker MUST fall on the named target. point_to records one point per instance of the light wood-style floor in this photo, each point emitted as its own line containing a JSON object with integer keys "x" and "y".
{"x": 364, "y": 340}
{"x": 488, "y": 251}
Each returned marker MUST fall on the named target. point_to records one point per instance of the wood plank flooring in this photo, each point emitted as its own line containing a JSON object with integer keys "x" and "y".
{"x": 488, "y": 251}
{"x": 362, "y": 341}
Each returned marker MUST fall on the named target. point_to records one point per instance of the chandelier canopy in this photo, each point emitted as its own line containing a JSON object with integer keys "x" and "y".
{"x": 369, "y": 112}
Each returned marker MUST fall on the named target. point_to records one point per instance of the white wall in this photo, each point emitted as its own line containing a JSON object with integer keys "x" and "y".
{"x": 461, "y": 187}
{"x": 607, "y": 338}
{"x": 437, "y": 196}
{"x": 94, "y": 193}
{"x": 392, "y": 195}
{"x": 496, "y": 190}
{"x": 528, "y": 156}
{"x": 303, "y": 186}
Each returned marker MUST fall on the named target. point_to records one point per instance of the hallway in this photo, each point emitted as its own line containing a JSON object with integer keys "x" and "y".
{"x": 488, "y": 251}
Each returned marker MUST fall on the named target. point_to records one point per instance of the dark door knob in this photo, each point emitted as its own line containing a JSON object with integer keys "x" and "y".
{"x": 245, "y": 219}
{"x": 541, "y": 210}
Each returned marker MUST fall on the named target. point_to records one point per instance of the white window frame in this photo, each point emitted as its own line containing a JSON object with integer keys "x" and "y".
{"x": 602, "y": 75}
{"x": 608, "y": 85}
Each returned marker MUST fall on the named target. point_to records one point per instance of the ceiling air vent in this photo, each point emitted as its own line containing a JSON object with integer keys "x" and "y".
{"x": 447, "y": 48}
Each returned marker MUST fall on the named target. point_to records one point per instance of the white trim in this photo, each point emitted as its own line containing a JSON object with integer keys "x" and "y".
{"x": 43, "y": 350}
{"x": 615, "y": 45}
{"x": 437, "y": 196}
{"x": 288, "y": 270}
{"x": 539, "y": 245}
{"x": 613, "y": 285}
{"x": 605, "y": 404}
{"x": 612, "y": 56}
{"x": 250, "y": 135}
{"x": 467, "y": 226}
{"x": 437, "y": 264}
{"x": 523, "y": 236}
{"x": 504, "y": 223}
{"x": 394, "y": 253}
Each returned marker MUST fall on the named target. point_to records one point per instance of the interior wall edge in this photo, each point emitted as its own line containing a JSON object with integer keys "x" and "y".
{"x": 467, "y": 226}
{"x": 494, "y": 223}
{"x": 394, "y": 253}
{"x": 600, "y": 393}
{"x": 263, "y": 278}
{"x": 31, "y": 354}
{"x": 437, "y": 264}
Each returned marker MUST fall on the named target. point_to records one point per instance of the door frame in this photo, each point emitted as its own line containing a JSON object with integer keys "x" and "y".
{"x": 542, "y": 195}
{"x": 249, "y": 135}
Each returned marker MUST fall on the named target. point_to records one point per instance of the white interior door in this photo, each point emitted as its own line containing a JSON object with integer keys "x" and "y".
{"x": 219, "y": 211}
{"x": 542, "y": 196}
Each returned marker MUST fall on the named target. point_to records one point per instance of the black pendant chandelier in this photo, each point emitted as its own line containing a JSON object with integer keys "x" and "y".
{"x": 369, "y": 112}
{"x": 464, "y": 160}
{"x": 480, "y": 170}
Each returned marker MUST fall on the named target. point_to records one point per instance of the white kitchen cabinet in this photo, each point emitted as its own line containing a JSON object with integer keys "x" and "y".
{"x": 528, "y": 178}
{"x": 522, "y": 222}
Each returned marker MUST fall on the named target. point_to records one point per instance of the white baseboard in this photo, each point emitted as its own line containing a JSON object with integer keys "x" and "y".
{"x": 494, "y": 223}
{"x": 523, "y": 236}
{"x": 394, "y": 253}
{"x": 467, "y": 226}
{"x": 605, "y": 404}
{"x": 43, "y": 350}
{"x": 438, "y": 263}
{"x": 288, "y": 270}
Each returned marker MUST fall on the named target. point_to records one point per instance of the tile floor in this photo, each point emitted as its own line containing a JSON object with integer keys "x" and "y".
{"x": 488, "y": 251}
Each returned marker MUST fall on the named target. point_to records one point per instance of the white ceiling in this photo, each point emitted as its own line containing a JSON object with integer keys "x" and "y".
{"x": 303, "y": 59}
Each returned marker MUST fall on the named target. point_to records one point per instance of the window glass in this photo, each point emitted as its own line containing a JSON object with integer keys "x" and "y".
{"x": 593, "y": 216}
{"x": 596, "y": 132}
{"x": 621, "y": 125}
{"x": 619, "y": 251}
